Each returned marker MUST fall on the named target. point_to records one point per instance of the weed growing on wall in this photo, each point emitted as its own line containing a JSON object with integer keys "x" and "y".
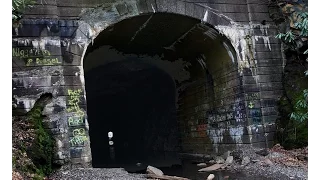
{"x": 42, "y": 150}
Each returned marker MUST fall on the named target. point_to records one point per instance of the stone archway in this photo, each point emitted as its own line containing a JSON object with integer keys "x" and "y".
{"x": 56, "y": 66}
{"x": 203, "y": 67}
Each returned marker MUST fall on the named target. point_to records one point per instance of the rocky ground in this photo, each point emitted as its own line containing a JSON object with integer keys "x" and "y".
{"x": 95, "y": 174}
{"x": 274, "y": 163}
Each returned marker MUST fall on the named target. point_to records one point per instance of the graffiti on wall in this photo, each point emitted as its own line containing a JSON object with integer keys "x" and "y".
{"x": 35, "y": 56}
{"x": 234, "y": 112}
{"x": 76, "y": 121}
{"x": 252, "y": 96}
{"x": 79, "y": 136}
{"x": 25, "y": 53}
{"x": 255, "y": 114}
{"x": 43, "y": 61}
{"x": 73, "y": 102}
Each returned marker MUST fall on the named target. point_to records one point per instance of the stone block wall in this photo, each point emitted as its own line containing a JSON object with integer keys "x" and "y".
{"x": 50, "y": 42}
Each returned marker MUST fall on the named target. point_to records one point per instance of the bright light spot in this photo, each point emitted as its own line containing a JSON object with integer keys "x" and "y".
{"x": 110, "y": 143}
{"x": 110, "y": 134}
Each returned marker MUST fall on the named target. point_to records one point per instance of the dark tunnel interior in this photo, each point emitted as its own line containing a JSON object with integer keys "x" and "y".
{"x": 134, "y": 72}
{"x": 136, "y": 99}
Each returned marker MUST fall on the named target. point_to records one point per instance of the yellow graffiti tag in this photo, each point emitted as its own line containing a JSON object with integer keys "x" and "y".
{"x": 75, "y": 121}
{"x": 26, "y": 53}
{"x": 78, "y": 140}
{"x": 79, "y": 132}
{"x": 74, "y": 100}
{"x": 43, "y": 61}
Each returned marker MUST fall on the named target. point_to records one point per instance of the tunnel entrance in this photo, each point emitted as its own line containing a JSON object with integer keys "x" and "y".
{"x": 137, "y": 104}
{"x": 156, "y": 81}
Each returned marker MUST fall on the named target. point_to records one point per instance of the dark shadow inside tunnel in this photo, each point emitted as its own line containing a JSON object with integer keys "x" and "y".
{"x": 152, "y": 80}
{"x": 135, "y": 101}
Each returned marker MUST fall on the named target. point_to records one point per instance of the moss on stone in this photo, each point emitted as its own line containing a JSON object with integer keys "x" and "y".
{"x": 33, "y": 144}
{"x": 42, "y": 149}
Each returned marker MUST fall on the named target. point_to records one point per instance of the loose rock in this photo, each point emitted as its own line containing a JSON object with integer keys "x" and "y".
{"x": 268, "y": 162}
{"x": 219, "y": 160}
{"x": 211, "y": 168}
{"x": 202, "y": 164}
{"x": 210, "y": 177}
{"x": 302, "y": 157}
{"x": 263, "y": 152}
{"x": 153, "y": 170}
{"x": 212, "y": 161}
{"x": 255, "y": 160}
{"x": 237, "y": 155}
{"x": 226, "y": 154}
{"x": 245, "y": 161}
{"x": 229, "y": 160}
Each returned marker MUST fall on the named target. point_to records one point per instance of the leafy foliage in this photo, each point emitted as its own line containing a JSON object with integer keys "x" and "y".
{"x": 300, "y": 110}
{"x": 292, "y": 125}
{"x": 18, "y": 6}
{"x": 292, "y": 37}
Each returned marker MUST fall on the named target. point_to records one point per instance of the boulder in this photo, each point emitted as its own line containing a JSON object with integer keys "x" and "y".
{"x": 153, "y": 170}
{"x": 212, "y": 161}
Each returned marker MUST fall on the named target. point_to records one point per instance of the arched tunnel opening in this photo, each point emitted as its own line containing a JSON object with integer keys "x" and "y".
{"x": 155, "y": 82}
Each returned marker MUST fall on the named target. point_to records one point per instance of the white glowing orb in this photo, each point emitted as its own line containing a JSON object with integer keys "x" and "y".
{"x": 110, "y": 134}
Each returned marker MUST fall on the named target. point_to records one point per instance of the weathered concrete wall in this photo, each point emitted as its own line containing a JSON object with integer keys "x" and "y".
{"x": 49, "y": 45}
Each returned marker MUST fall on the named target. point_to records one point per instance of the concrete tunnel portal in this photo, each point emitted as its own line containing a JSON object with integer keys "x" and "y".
{"x": 153, "y": 80}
